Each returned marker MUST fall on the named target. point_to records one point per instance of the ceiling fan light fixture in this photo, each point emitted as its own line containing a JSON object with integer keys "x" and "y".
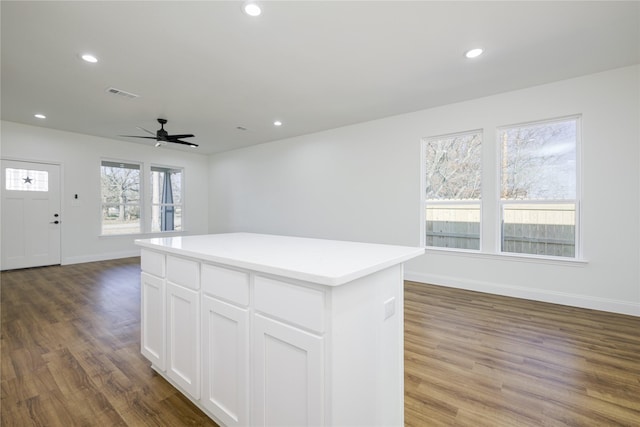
{"x": 252, "y": 8}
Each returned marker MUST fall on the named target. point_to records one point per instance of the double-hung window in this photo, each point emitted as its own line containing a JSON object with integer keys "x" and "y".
{"x": 539, "y": 187}
{"x": 166, "y": 199}
{"x": 453, "y": 186}
{"x": 124, "y": 208}
{"x": 120, "y": 185}
{"x": 533, "y": 207}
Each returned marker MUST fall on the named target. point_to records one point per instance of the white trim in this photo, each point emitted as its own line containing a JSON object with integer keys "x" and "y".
{"x": 149, "y": 235}
{"x": 509, "y": 256}
{"x": 423, "y": 193}
{"x": 563, "y": 298}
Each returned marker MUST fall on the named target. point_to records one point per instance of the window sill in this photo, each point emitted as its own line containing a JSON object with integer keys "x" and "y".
{"x": 514, "y": 257}
{"x": 143, "y": 235}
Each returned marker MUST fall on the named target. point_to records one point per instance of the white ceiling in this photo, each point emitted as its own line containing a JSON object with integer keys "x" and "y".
{"x": 208, "y": 68}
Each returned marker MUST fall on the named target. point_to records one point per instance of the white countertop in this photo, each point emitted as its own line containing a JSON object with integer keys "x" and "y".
{"x": 327, "y": 262}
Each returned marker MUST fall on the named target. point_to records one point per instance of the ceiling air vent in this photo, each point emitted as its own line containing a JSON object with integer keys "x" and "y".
{"x": 122, "y": 93}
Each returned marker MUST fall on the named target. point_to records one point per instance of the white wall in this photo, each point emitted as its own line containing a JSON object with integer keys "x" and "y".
{"x": 362, "y": 182}
{"x": 79, "y": 157}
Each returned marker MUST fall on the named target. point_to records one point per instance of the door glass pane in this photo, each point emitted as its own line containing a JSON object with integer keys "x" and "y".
{"x": 26, "y": 180}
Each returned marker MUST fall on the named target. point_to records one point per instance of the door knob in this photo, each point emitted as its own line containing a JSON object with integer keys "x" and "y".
{"x": 55, "y": 222}
{"x": 56, "y": 215}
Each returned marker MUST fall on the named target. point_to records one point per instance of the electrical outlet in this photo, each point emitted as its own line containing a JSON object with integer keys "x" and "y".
{"x": 389, "y": 307}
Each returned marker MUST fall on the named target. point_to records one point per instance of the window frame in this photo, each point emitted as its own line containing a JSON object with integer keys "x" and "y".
{"x": 491, "y": 202}
{"x": 140, "y": 196}
{"x": 500, "y": 203}
{"x": 145, "y": 206}
{"x": 423, "y": 190}
{"x": 152, "y": 204}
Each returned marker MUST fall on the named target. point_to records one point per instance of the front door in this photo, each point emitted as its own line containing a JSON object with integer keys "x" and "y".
{"x": 30, "y": 214}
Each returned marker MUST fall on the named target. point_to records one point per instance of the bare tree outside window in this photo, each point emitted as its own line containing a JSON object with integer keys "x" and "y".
{"x": 120, "y": 187}
{"x": 539, "y": 162}
{"x": 453, "y": 188}
{"x": 538, "y": 187}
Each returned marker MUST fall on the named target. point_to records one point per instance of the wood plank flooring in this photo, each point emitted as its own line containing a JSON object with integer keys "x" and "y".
{"x": 70, "y": 352}
{"x": 70, "y": 356}
{"x": 474, "y": 359}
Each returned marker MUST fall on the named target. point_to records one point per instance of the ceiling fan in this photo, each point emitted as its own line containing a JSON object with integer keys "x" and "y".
{"x": 162, "y": 136}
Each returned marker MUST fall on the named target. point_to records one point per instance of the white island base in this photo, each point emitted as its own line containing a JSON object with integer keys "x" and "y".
{"x": 261, "y": 330}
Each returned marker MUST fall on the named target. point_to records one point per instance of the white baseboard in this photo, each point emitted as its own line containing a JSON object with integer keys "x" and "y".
{"x": 100, "y": 257}
{"x": 573, "y": 300}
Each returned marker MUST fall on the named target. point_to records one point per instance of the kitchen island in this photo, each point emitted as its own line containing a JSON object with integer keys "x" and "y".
{"x": 267, "y": 330}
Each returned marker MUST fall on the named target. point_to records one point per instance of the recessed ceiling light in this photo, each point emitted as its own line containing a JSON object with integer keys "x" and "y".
{"x": 89, "y": 58}
{"x": 473, "y": 53}
{"x": 39, "y": 116}
{"x": 277, "y": 123}
{"x": 251, "y": 8}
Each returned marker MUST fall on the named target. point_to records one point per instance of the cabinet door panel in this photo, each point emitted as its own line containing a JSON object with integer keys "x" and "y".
{"x": 183, "y": 342}
{"x": 225, "y": 361}
{"x": 152, "y": 319}
{"x": 288, "y": 384}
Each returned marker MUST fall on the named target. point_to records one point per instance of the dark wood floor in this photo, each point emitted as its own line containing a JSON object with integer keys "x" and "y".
{"x": 70, "y": 356}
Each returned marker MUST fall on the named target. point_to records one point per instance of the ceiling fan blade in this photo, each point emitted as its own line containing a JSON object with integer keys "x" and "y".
{"x": 136, "y": 136}
{"x": 186, "y": 135}
{"x": 177, "y": 141}
{"x": 147, "y": 131}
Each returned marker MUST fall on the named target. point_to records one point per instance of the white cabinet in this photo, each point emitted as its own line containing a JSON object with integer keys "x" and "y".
{"x": 288, "y": 354}
{"x": 273, "y": 331}
{"x": 152, "y": 318}
{"x": 225, "y": 361}
{"x": 225, "y": 344}
{"x": 183, "y": 338}
{"x": 288, "y": 381}
{"x": 170, "y": 318}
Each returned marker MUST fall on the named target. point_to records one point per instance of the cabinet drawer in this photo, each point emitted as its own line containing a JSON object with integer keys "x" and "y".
{"x": 152, "y": 262}
{"x": 183, "y": 272}
{"x": 292, "y": 303}
{"x": 230, "y": 285}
